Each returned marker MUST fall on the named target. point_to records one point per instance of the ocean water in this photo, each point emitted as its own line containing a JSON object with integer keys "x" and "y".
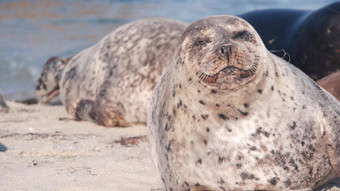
{"x": 31, "y": 31}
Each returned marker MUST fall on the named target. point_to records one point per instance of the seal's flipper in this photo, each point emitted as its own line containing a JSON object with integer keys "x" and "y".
{"x": 101, "y": 114}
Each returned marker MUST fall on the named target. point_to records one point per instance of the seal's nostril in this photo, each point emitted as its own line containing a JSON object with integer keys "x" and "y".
{"x": 226, "y": 50}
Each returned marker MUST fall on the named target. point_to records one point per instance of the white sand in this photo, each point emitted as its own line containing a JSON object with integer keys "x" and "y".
{"x": 43, "y": 152}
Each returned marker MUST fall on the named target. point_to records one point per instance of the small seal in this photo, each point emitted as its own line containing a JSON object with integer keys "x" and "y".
{"x": 111, "y": 82}
{"x": 229, "y": 115}
{"x": 311, "y": 38}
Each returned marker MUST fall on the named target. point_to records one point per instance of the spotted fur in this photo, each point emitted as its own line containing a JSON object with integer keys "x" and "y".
{"x": 111, "y": 82}
{"x": 274, "y": 129}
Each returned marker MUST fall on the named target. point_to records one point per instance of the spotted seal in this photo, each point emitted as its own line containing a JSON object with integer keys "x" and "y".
{"x": 229, "y": 115}
{"x": 310, "y": 37}
{"x": 111, "y": 82}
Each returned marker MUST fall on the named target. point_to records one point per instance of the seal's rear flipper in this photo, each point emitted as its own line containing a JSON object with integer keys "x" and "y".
{"x": 100, "y": 114}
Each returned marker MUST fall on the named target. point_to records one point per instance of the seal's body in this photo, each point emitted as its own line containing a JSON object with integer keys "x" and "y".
{"x": 111, "y": 83}
{"x": 311, "y": 38}
{"x": 229, "y": 115}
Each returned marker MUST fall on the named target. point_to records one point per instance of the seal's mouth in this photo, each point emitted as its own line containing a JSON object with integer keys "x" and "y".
{"x": 230, "y": 75}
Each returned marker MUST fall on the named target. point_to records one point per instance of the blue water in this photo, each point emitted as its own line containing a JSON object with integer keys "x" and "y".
{"x": 31, "y": 31}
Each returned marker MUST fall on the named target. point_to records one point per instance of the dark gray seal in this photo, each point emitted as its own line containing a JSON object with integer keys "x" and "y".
{"x": 310, "y": 37}
{"x": 229, "y": 115}
{"x": 111, "y": 82}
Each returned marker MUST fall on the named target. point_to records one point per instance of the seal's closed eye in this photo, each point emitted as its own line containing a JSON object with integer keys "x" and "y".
{"x": 244, "y": 35}
{"x": 201, "y": 42}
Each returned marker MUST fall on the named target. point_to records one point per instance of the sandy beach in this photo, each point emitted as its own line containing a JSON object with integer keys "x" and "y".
{"x": 43, "y": 148}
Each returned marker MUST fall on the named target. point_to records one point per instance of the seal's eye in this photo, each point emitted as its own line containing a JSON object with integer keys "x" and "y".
{"x": 201, "y": 42}
{"x": 244, "y": 35}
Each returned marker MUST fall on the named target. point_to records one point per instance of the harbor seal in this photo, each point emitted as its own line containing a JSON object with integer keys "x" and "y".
{"x": 111, "y": 82}
{"x": 310, "y": 37}
{"x": 229, "y": 115}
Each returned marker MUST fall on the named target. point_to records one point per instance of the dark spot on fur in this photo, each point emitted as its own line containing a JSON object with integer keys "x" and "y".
{"x": 173, "y": 93}
{"x": 253, "y": 148}
{"x": 259, "y": 91}
{"x": 246, "y": 105}
{"x": 71, "y": 74}
{"x": 261, "y": 131}
{"x": 193, "y": 116}
{"x": 287, "y": 183}
{"x": 213, "y": 91}
{"x": 167, "y": 127}
{"x": 272, "y": 88}
{"x": 199, "y": 161}
{"x": 238, "y": 165}
{"x": 205, "y": 142}
{"x": 179, "y": 104}
{"x": 208, "y": 130}
{"x": 293, "y": 126}
{"x": 302, "y": 143}
{"x": 244, "y": 113}
{"x": 220, "y": 160}
{"x": 245, "y": 176}
{"x": 221, "y": 181}
{"x": 304, "y": 107}
{"x": 273, "y": 181}
{"x": 204, "y": 116}
{"x": 189, "y": 79}
{"x": 222, "y": 116}
{"x": 174, "y": 111}
{"x": 292, "y": 162}
{"x": 197, "y": 184}
{"x": 198, "y": 91}
{"x": 102, "y": 93}
{"x": 201, "y": 102}
{"x": 217, "y": 105}
{"x": 168, "y": 147}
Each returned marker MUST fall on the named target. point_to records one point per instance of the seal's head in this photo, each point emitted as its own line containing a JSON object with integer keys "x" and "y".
{"x": 48, "y": 83}
{"x": 222, "y": 51}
